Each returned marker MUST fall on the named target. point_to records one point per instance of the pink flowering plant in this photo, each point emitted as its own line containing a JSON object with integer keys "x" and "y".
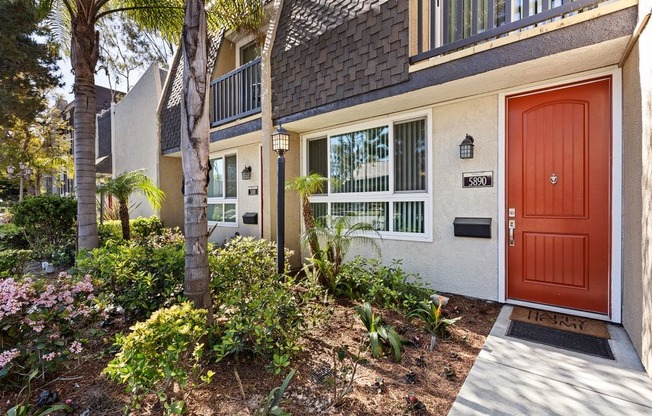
{"x": 42, "y": 322}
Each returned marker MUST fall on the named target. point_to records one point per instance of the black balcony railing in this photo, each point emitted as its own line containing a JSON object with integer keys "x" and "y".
{"x": 236, "y": 94}
{"x": 447, "y": 25}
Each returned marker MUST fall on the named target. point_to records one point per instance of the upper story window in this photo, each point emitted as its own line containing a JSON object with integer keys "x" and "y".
{"x": 223, "y": 190}
{"x": 377, "y": 175}
{"x": 441, "y": 26}
{"x": 249, "y": 52}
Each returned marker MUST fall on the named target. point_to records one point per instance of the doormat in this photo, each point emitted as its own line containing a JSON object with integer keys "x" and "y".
{"x": 571, "y": 341}
{"x": 561, "y": 321}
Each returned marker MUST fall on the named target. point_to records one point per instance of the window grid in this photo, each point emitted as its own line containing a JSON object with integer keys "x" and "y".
{"x": 222, "y": 191}
{"x": 407, "y": 208}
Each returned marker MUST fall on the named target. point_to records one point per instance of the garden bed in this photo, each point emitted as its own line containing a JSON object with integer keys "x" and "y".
{"x": 380, "y": 386}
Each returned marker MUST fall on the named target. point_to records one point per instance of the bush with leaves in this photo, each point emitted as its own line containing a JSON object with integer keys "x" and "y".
{"x": 12, "y": 237}
{"x": 43, "y": 323}
{"x": 257, "y": 311}
{"x": 141, "y": 276}
{"x": 390, "y": 286}
{"x": 49, "y": 223}
{"x": 142, "y": 230}
{"x": 380, "y": 336}
{"x": 12, "y": 262}
{"x": 162, "y": 354}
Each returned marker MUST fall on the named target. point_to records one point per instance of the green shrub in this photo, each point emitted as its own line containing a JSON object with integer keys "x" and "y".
{"x": 12, "y": 237}
{"x": 48, "y": 221}
{"x": 12, "y": 262}
{"x": 257, "y": 311}
{"x": 145, "y": 228}
{"x": 386, "y": 286}
{"x": 163, "y": 351}
{"x": 141, "y": 278}
{"x": 110, "y": 230}
{"x": 142, "y": 230}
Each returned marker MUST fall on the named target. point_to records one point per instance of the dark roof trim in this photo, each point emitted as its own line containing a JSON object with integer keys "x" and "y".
{"x": 238, "y": 130}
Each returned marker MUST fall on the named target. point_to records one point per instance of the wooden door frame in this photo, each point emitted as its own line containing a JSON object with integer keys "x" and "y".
{"x": 615, "y": 269}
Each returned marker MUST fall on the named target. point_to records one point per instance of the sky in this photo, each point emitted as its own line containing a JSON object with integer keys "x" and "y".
{"x": 100, "y": 79}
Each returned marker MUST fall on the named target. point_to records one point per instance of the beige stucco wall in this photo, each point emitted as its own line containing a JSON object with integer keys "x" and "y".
{"x": 250, "y": 156}
{"x": 462, "y": 265}
{"x": 169, "y": 180}
{"x": 135, "y": 135}
{"x": 637, "y": 194}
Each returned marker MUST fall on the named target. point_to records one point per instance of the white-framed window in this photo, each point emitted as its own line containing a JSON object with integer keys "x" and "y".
{"x": 223, "y": 190}
{"x": 378, "y": 174}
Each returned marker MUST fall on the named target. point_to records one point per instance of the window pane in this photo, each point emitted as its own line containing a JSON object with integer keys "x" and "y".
{"x": 231, "y": 177}
{"x": 216, "y": 182}
{"x": 410, "y": 156}
{"x": 216, "y": 212}
{"x": 229, "y": 213}
{"x": 318, "y": 158}
{"x": 319, "y": 210}
{"x": 360, "y": 161}
{"x": 409, "y": 217}
{"x": 373, "y": 213}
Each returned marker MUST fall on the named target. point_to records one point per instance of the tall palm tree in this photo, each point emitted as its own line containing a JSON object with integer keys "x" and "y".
{"x": 123, "y": 186}
{"x": 76, "y": 23}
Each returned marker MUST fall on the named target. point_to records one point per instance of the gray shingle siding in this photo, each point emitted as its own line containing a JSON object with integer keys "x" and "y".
{"x": 104, "y": 133}
{"x": 328, "y": 51}
{"x": 170, "y": 113}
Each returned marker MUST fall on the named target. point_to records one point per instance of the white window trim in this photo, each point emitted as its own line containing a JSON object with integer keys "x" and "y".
{"x": 224, "y": 200}
{"x": 386, "y": 196}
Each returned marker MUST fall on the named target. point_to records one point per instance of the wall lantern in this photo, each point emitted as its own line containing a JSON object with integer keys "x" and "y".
{"x": 246, "y": 173}
{"x": 280, "y": 140}
{"x": 466, "y": 148}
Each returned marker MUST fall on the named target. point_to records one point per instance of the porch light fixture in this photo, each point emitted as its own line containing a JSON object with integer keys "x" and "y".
{"x": 280, "y": 140}
{"x": 466, "y": 148}
{"x": 280, "y": 144}
{"x": 246, "y": 173}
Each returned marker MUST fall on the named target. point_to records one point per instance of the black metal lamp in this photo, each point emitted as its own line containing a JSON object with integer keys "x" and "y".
{"x": 466, "y": 148}
{"x": 280, "y": 140}
{"x": 246, "y": 173}
{"x": 280, "y": 144}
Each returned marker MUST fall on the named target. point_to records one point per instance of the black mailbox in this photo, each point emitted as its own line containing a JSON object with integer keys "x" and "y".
{"x": 250, "y": 218}
{"x": 472, "y": 227}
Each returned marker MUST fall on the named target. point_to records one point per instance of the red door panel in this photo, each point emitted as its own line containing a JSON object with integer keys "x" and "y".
{"x": 558, "y": 184}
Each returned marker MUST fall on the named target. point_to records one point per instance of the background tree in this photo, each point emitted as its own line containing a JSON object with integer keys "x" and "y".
{"x": 27, "y": 62}
{"x": 42, "y": 143}
{"x": 127, "y": 48}
{"x": 122, "y": 186}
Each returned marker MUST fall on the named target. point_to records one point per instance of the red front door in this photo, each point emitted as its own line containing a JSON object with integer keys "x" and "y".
{"x": 558, "y": 196}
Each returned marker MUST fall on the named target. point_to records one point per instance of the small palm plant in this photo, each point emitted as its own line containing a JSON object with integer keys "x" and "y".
{"x": 379, "y": 335}
{"x": 306, "y": 186}
{"x": 337, "y": 234}
{"x": 431, "y": 314}
{"x": 125, "y": 184}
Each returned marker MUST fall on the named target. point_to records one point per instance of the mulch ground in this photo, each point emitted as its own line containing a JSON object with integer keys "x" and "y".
{"x": 380, "y": 386}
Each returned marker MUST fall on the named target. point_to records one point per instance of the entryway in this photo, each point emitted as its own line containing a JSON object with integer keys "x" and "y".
{"x": 558, "y": 196}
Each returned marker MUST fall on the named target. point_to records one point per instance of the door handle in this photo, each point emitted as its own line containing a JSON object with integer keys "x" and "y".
{"x": 512, "y": 227}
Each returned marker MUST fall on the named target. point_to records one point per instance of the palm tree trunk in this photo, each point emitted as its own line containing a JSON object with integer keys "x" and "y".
{"x": 84, "y": 58}
{"x": 194, "y": 155}
{"x": 124, "y": 219}
{"x": 267, "y": 124}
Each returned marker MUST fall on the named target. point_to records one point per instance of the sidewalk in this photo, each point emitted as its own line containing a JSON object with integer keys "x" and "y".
{"x": 516, "y": 377}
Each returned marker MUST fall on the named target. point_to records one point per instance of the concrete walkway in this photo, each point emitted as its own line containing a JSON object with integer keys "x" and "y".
{"x": 516, "y": 377}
